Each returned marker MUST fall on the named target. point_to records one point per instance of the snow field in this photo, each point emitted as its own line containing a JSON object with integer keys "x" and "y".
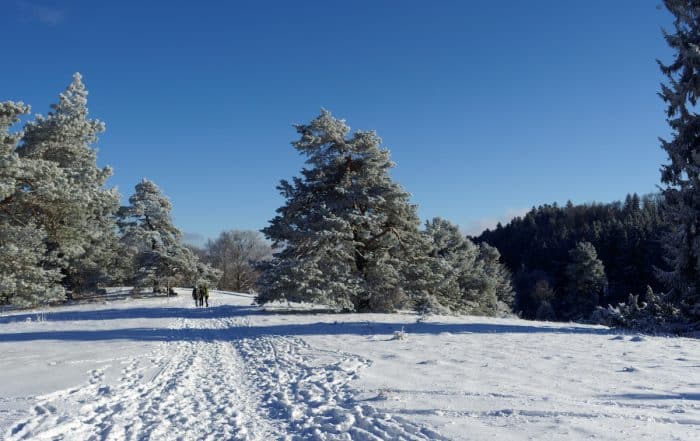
{"x": 160, "y": 369}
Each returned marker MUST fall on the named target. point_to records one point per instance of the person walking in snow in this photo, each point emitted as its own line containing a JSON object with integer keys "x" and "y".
{"x": 205, "y": 295}
{"x": 195, "y": 295}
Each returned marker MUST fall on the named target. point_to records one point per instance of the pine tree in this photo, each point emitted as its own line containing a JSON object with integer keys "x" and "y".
{"x": 682, "y": 174}
{"x": 11, "y": 173}
{"x": 543, "y": 295}
{"x": 586, "y": 281}
{"x": 79, "y": 219}
{"x": 474, "y": 281}
{"x": 457, "y": 257}
{"x": 160, "y": 260}
{"x": 497, "y": 277}
{"x": 24, "y": 278}
{"x": 349, "y": 235}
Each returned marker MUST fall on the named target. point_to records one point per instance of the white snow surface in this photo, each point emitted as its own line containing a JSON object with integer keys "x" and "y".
{"x": 161, "y": 369}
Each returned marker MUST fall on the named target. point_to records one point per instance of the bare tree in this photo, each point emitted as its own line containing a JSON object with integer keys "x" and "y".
{"x": 234, "y": 253}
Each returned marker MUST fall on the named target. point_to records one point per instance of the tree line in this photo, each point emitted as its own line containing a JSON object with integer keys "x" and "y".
{"x": 567, "y": 260}
{"x": 646, "y": 250}
{"x": 63, "y": 233}
{"x": 349, "y": 237}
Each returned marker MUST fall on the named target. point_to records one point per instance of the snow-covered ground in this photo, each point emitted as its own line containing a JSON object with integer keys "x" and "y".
{"x": 161, "y": 369}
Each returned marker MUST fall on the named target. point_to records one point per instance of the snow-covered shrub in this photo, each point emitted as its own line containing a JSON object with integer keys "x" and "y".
{"x": 400, "y": 335}
{"x": 653, "y": 314}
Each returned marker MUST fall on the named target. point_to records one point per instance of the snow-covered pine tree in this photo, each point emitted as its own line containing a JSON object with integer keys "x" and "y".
{"x": 205, "y": 274}
{"x": 348, "y": 234}
{"x": 497, "y": 278}
{"x": 457, "y": 260}
{"x": 474, "y": 280}
{"x": 80, "y": 224}
{"x": 160, "y": 259}
{"x": 24, "y": 278}
{"x": 586, "y": 281}
{"x": 648, "y": 313}
{"x": 682, "y": 174}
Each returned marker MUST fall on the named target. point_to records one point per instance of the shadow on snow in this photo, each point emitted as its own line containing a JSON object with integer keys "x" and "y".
{"x": 237, "y": 332}
{"x": 651, "y": 396}
{"x": 134, "y": 313}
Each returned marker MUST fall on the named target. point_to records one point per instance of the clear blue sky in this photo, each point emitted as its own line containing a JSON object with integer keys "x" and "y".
{"x": 487, "y": 107}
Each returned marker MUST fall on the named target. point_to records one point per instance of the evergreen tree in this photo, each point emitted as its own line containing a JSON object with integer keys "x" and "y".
{"x": 160, "y": 260}
{"x": 348, "y": 235}
{"x": 682, "y": 174}
{"x": 497, "y": 278}
{"x": 24, "y": 278}
{"x": 79, "y": 220}
{"x": 205, "y": 275}
{"x": 544, "y": 295}
{"x": 11, "y": 173}
{"x": 473, "y": 279}
{"x": 587, "y": 281}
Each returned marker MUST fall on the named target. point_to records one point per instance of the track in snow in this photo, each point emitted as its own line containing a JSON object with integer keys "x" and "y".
{"x": 255, "y": 388}
{"x": 307, "y": 390}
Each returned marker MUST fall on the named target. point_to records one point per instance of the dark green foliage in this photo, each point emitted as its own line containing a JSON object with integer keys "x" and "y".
{"x": 681, "y": 174}
{"x": 625, "y": 234}
{"x": 586, "y": 281}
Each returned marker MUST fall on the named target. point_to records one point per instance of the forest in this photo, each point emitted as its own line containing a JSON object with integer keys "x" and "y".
{"x": 623, "y": 238}
{"x": 348, "y": 235}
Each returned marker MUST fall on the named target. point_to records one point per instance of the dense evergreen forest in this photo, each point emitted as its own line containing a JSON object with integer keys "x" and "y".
{"x": 626, "y": 236}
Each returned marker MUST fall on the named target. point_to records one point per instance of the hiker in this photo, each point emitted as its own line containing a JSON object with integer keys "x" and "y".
{"x": 205, "y": 295}
{"x": 200, "y": 296}
{"x": 195, "y": 296}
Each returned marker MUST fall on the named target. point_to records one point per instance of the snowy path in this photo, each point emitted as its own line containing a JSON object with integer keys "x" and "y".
{"x": 308, "y": 390}
{"x": 216, "y": 387}
{"x": 160, "y": 369}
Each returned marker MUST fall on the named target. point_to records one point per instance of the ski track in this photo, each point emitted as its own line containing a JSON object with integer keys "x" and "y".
{"x": 257, "y": 388}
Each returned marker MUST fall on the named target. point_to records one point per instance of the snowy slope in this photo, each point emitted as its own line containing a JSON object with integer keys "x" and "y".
{"x": 161, "y": 369}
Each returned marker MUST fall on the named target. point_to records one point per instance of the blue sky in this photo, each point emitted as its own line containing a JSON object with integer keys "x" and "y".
{"x": 488, "y": 108}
